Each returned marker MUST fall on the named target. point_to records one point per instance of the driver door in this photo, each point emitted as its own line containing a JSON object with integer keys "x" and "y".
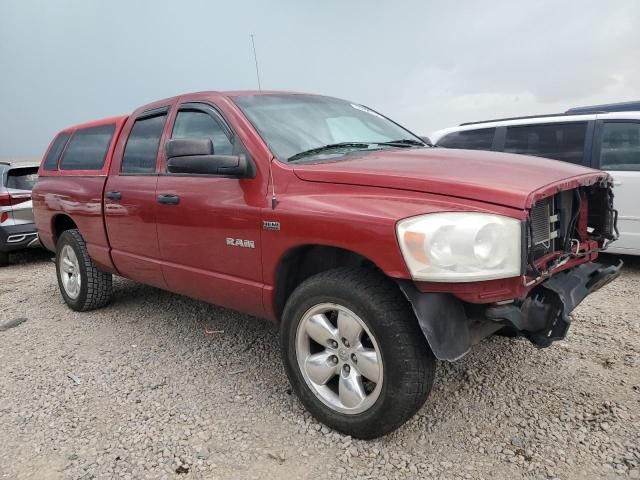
{"x": 208, "y": 232}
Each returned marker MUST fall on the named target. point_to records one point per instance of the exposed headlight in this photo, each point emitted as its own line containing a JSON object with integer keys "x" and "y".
{"x": 460, "y": 246}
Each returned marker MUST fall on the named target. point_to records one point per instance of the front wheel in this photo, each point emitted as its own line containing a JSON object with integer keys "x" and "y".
{"x": 354, "y": 352}
{"x": 82, "y": 285}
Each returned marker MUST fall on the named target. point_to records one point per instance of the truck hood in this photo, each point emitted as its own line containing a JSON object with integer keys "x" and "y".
{"x": 511, "y": 180}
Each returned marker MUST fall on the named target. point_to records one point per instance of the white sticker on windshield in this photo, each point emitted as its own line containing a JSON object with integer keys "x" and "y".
{"x": 362, "y": 108}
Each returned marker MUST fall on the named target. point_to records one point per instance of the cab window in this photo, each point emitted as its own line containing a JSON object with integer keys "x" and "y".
{"x": 141, "y": 151}
{"x": 198, "y": 124}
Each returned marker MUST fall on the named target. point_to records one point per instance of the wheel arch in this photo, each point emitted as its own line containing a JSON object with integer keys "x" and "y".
{"x": 303, "y": 261}
{"x": 60, "y": 223}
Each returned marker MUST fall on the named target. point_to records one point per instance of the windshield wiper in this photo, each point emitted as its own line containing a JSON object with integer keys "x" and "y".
{"x": 405, "y": 142}
{"x": 402, "y": 143}
{"x": 330, "y": 146}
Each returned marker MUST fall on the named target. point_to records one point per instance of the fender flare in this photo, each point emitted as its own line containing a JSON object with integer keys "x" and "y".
{"x": 442, "y": 319}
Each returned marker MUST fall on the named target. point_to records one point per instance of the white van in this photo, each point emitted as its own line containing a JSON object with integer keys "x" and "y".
{"x": 601, "y": 136}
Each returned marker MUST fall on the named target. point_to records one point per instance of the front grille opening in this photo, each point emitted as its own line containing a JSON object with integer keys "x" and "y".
{"x": 554, "y": 224}
{"x": 544, "y": 225}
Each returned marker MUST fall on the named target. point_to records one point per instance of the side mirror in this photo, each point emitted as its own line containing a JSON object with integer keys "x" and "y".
{"x": 187, "y": 147}
{"x": 195, "y": 156}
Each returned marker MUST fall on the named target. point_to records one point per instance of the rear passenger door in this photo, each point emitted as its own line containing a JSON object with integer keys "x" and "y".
{"x": 210, "y": 234}
{"x": 617, "y": 150}
{"x": 130, "y": 205}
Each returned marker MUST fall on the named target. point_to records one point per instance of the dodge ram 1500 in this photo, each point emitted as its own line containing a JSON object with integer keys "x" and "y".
{"x": 375, "y": 253}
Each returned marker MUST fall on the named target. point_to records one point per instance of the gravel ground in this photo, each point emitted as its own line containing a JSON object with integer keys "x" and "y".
{"x": 160, "y": 386}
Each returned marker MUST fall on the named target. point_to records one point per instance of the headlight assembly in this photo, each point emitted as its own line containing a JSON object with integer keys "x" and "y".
{"x": 460, "y": 246}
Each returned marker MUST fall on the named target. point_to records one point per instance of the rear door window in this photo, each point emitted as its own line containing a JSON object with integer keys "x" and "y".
{"x": 559, "y": 141}
{"x": 141, "y": 151}
{"x": 22, "y": 178}
{"x": 480, "y": 139}
{"x": 51, "y": 160}
{"x": 87, "y": 149}
{"x": 620, "y": 148}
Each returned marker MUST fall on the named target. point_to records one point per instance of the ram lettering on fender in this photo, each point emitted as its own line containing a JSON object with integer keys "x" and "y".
{"x": 239, "y": 242}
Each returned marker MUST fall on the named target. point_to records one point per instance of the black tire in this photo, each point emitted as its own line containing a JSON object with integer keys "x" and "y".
{"x": 408, "y": 363}
{"x": 4, "y": 259}
{"x": 96, "y": 286}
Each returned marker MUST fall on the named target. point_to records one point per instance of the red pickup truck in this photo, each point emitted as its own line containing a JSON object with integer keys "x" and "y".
{"x": 375, "y": 253}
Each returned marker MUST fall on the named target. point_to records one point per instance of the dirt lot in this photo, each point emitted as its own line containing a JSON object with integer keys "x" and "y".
{"x": 160, "y": 386}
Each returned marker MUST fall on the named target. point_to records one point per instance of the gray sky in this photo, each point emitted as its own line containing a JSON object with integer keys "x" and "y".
{"x": 426, "y": 64}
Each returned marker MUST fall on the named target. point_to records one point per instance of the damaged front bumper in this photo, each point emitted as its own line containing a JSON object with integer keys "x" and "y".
{"x": 451, "y": 326}
{"x": 544, "y": 317}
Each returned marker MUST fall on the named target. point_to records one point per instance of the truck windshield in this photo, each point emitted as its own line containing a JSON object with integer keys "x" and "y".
{"x": 295, "y": 125}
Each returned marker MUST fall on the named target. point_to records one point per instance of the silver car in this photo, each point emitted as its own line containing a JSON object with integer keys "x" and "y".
{"x": 17, "y": 230}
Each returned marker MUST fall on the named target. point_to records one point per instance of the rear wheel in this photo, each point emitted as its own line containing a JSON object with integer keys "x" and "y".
{"x": 82, "y": 285}
{"x": 354, "y": 353}
{"x": 4, "y": 259}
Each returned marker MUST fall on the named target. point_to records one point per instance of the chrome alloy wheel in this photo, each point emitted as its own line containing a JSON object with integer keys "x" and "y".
{"x": 339, "y": 358}
{"x": 69, "y": 268}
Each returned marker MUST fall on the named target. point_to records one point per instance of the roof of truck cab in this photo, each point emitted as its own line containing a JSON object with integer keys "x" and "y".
{"x": 97, "y": 123}
{"x": 224, "y": 93}
{"x": 246, "y": 93}
{"x": 228, "y": 93}
{"x": 243, "y": 93}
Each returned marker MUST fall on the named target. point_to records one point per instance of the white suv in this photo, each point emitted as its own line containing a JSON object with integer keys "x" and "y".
{"x": 602, "y": 136}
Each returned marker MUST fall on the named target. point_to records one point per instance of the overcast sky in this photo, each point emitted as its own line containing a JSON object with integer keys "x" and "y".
{"x": 427, "y": 64}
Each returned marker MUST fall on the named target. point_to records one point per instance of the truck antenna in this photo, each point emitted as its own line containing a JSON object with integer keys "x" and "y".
{"x": 255, "y": 59}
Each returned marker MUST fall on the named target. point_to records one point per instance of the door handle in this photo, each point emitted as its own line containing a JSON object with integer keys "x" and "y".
{"x": 114, "y": 195}
{"x": 168, "y": 199}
